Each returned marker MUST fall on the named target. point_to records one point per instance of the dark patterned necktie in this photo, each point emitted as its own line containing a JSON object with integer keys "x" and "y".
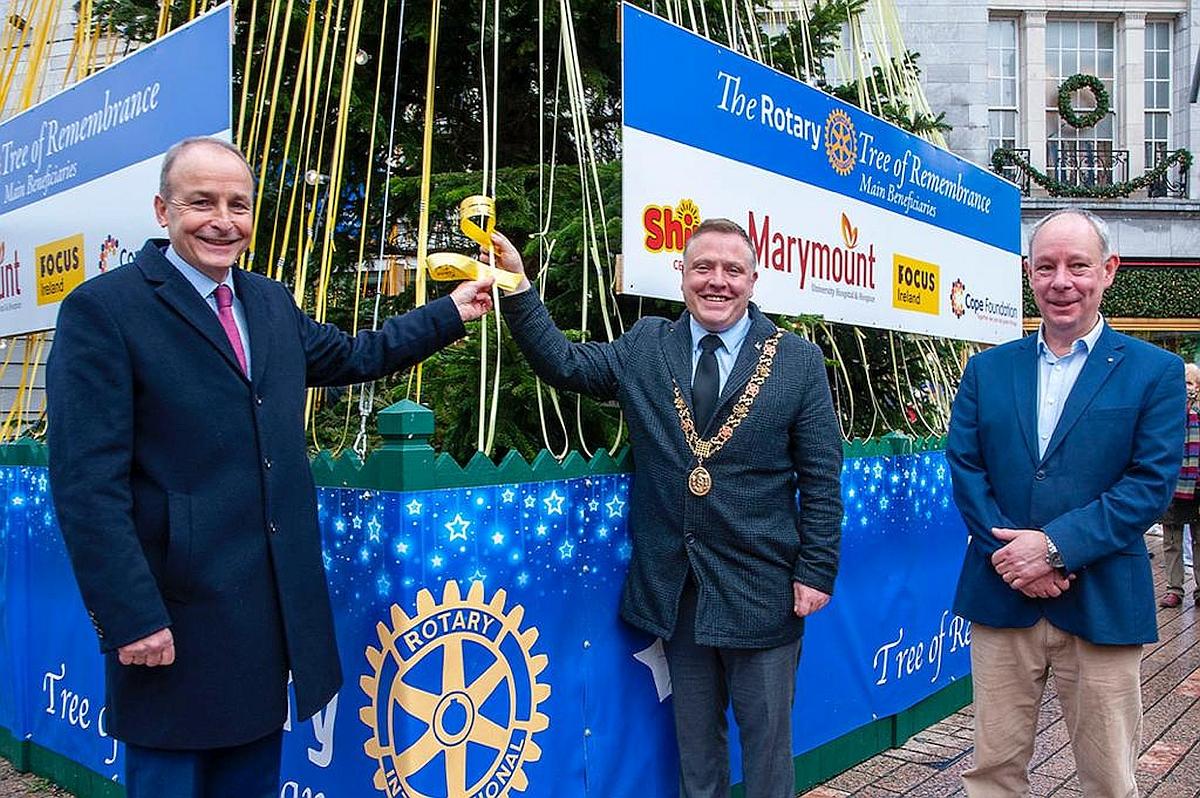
{"x": 707, "y": 381}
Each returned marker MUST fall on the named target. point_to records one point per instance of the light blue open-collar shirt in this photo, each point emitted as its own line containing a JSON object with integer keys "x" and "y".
{"x": 206, "y": 285}
{"x": 1057, "y": 376}
{"x": 731, "y": 344}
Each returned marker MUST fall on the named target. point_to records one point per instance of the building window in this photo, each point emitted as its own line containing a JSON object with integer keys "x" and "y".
{"x": 1158, "y": 91}
{"x": 1002, "y": 84}
{"x": 1087, "y": 156}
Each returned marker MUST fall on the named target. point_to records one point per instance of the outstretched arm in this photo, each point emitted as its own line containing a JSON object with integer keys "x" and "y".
{"x": 593, "y": 368}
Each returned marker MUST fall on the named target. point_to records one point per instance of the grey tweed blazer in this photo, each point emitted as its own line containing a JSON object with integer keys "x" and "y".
{"x": 749, "y": 538}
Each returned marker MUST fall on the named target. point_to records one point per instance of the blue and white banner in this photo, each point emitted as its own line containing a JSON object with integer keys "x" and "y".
{"x": 79, "y": 171}
{"x": 851, "y": 218}
{"x": 480, "y": 640}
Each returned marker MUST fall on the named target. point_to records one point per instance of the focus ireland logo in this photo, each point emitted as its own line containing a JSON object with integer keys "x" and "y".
{"x": 454, "y": 697}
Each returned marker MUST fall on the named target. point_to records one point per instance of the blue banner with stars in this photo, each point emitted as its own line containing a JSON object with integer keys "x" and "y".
{"x": 479, "y": 636}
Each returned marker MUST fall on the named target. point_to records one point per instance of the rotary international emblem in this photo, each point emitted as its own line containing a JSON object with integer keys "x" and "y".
{"x": 453, "y": 698}
{"x": 841, "y": 145}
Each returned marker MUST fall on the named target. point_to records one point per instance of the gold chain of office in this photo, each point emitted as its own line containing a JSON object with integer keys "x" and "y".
{"x": 700, "y": 480}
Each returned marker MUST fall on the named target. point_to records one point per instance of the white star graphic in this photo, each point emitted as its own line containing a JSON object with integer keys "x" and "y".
{"x": 356, "y": 522}
{"x": 478, "y": 576}
{"x": 373, "y": 528}
{"x": 507, "y": 495}
{"x": 593, "y": 505}
{"x": 530, "y": 501}
{"x": 436, "y": 561}
{"x": 339, "y": 525}
{"x": 498, "y": 538}
{"x": 413, "y": 507}
{"x": 654, "y": 658}
{"x": 554, "y": 503}
{"x": 457, "y": 527}
{"x": 541, "y": 530}
{"x": 566, "y": 550}
{"x": 615, "y": 507}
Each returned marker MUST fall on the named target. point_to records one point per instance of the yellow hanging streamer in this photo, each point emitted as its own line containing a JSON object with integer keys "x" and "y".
{"x": 450, "y": 266}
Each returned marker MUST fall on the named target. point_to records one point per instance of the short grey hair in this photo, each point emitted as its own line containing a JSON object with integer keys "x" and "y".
{"x": 1098, "y": 225}
{"x": 178, "y": 148}
{"x": 728, "y": 227}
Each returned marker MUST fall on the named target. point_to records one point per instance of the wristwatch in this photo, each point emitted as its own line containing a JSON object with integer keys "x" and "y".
{"x": 1053, "y": 557}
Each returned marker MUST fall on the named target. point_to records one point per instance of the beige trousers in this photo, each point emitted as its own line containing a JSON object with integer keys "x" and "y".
{"x": 1099, "y": 688}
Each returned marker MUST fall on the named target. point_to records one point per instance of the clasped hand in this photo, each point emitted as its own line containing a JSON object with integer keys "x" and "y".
{"x": 1022, "y": 564}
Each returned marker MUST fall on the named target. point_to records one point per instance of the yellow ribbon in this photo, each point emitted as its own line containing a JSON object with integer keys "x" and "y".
{"x": 451, "y": 266}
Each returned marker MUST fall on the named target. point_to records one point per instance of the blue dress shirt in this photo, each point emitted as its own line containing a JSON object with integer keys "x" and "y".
{"x": 1056, "y": 377}
{"x": 727, "y": 353}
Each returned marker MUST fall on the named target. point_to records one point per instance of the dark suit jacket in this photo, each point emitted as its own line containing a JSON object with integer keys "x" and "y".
{"x": 747, "y": 539}
{"x": 1108, "y": 472}
{"x": 185, "y": 498}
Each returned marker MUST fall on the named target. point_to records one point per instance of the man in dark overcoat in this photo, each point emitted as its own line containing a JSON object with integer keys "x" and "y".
{"x": 729, "y": 418}
{"x": 178, "y": 467}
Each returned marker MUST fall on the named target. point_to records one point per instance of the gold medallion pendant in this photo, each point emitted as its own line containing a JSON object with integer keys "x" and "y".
{"x": 699, "y": 481}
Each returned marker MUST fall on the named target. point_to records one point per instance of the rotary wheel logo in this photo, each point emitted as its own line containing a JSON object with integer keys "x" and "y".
{"x": 454, "y": 698}
{"x": 958, "y": 293}
{"x": 841, "y": 145}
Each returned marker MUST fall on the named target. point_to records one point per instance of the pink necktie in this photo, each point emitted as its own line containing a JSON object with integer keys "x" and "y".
{"x": 224, "y": 297}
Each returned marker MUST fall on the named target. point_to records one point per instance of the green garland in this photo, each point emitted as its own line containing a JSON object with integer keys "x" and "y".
{"x": 1148, "y": 292}
{"x": 1073, "y": 84}
{"x": 1003, "y": 157}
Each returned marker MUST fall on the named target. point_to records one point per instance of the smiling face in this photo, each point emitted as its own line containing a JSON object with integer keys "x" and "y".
{"x": 209, "y": 210}
{"x": 718, "y": 279}
{"x": 1068, "y": 274}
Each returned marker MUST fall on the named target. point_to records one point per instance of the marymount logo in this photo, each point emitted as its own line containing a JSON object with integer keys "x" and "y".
{"x": 453, "y": 697}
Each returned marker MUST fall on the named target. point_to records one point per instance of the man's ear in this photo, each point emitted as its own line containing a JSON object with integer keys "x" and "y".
{"x": 1110, "y": 269}
{"x": 160, "y": 210}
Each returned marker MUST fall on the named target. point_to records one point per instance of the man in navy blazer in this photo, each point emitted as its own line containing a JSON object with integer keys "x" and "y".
{"x": 1064, "y": 447}
{"x": 178, "y": 467}
{"x": 730, "y": 418}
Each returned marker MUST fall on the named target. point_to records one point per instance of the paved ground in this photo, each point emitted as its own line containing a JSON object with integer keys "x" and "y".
{"x": 19, "y": 785}
{"x": 929, "y": 765}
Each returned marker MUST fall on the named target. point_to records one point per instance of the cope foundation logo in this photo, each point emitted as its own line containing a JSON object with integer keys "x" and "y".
{"x": 454, "y": 697}
{"x": 958, "y": 296}
{"x": 915, "y": 285}
{"x": 841, "y": 144}
{"x": 59, "y": 267}
{"x": 667, "y": 228}
{"x": 112, "y": 254}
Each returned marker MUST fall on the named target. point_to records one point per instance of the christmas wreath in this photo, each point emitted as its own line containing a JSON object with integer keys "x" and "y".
{"x": 1073, "y": 84}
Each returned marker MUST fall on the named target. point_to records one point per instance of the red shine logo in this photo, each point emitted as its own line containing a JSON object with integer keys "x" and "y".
{"x": 667, "y": 228}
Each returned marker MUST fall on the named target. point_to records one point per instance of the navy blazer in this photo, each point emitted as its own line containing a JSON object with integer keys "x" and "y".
{"x": 185, "y": 498}
{"x": 747, "y": 540}
{"x": 1107, "y": 474}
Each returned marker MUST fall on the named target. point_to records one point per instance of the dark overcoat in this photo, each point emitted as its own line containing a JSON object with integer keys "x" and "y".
{"x": 747, "y": 540}
{"x": 185, "y": 498}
